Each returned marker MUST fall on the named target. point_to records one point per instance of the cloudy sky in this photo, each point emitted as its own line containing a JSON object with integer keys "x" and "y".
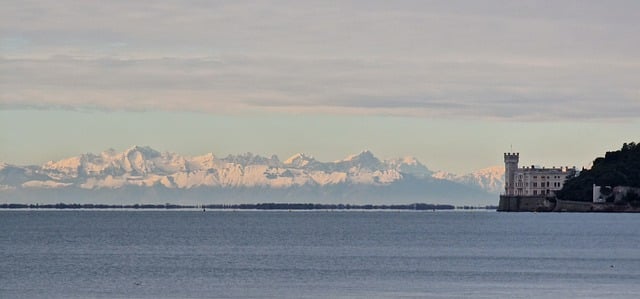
{"x": 454, "y": 83}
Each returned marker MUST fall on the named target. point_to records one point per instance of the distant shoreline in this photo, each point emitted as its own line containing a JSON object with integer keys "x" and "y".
{"x": 259, "y": 207}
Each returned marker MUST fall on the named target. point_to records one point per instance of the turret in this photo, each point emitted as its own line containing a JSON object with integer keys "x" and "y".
{"x": 510, "y": 168}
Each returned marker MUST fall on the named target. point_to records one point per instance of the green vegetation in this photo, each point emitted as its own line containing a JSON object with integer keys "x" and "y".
{"x": 618, "y": 168}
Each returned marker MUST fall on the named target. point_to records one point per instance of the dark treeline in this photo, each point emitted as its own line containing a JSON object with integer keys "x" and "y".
{"x": 93, "y": 206}
{"x": 312, "y": 206}
{"x": 259, "y": 206}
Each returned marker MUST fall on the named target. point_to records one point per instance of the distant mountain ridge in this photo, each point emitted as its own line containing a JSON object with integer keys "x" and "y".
{"x": 142, "y": 169}
{"x": 490, "y": 179}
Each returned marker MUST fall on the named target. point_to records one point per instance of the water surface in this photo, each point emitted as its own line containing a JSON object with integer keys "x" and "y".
{"x": 267, "y": 254}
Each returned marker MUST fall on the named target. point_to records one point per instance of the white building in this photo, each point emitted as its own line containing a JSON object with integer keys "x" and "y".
{"x": 533, "y": 181}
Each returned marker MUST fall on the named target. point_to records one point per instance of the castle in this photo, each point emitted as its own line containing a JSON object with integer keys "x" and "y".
{"x": 527, "y": 188}
{"x": 533, "y": 181}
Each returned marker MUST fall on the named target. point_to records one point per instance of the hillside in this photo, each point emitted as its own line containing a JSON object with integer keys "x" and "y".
{"x": 617, "y": 168}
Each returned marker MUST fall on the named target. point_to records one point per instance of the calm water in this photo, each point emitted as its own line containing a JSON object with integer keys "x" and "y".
{"x": 188, "y": 254}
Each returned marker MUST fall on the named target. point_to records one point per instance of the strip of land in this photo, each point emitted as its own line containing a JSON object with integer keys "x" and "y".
{"x": 259, "y": 206}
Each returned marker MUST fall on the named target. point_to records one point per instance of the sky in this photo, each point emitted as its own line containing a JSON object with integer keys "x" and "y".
{"x": 454, "y": 83}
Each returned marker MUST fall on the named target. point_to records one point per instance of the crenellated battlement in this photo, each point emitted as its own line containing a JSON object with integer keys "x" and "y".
{"x": 511, "y": 156}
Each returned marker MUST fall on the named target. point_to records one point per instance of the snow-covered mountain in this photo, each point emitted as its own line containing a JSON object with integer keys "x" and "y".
{"x": 143, "y": 169}
{"x": 490, "y": 179}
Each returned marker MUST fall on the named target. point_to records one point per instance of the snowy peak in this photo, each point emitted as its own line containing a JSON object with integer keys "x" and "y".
{"x": 144, "y": 166}
{"x": 299, "y": 160}
{"x": 141, "y": 160}
{"x": 494, "y": 171}
{"x": 410, "y": 165}
{"x": 70, "y": 166}
{"x": 143, "y": 151}
{"x": 409, "y": 160}
{"x": 490, "y": 179}
{"x": 137, "y": 160}
{"x": 207, "y": 161}
{"x": 364, "y": 155}
{"x": 251, "y": 159}
{"x": 365, "y": 160}
{"x": 444, "y": 175}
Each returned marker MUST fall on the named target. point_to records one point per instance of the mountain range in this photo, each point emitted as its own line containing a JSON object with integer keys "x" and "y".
{"x": 141, "y": 174}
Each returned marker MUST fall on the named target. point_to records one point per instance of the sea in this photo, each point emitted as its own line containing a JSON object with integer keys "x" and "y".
{"x": 317, "y": 254}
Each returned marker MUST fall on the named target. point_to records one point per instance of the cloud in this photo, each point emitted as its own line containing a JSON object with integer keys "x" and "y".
{"x": 527, "y": 60}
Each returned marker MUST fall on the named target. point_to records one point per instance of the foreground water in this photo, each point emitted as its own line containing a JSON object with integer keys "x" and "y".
{"x": 188, "y": 254}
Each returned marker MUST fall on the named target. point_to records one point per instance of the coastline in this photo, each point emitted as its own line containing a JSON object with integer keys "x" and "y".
{"x": 248, "y": 207}
{"x": 550, "y": 204}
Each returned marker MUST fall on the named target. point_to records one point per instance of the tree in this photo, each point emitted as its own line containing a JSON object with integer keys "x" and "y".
{"x": 617, "y": 168}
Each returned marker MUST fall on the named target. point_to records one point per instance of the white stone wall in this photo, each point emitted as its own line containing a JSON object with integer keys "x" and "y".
{"x": 532, "y": 181}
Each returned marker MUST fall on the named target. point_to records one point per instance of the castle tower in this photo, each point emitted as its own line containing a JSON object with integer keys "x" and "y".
{"x": 510, "y": 168}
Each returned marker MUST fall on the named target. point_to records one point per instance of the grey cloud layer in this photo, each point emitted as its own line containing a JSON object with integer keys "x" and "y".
{"x": 502, "y": 59}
